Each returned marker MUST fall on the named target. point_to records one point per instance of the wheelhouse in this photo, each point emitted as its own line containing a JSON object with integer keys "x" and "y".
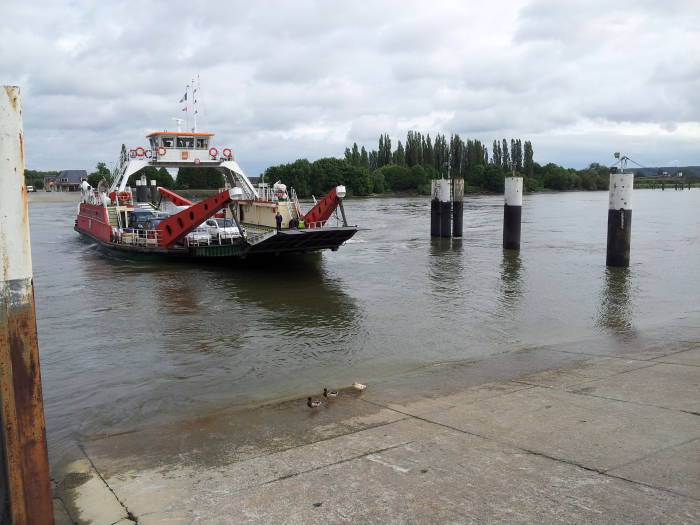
{"x": 180, "y": 140}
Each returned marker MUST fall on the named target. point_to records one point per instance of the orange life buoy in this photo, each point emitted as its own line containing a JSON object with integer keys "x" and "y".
{"x": 140, "y": 152}
{"x": 227, "y": 152}
{"x": 124, "y": 196}
{"x": 162, "y": 151}
{"x": 213, "y": 151}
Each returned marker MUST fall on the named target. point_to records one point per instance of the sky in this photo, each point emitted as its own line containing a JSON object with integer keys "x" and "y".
{"x": 305, "y": 79}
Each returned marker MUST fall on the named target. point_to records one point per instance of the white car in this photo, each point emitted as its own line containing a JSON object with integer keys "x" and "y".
{"x": 197, "y": 237}
{"x": 222, "y": 228}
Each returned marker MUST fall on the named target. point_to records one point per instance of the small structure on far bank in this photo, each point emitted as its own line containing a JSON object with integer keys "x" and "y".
{"x": 67, "y": 180}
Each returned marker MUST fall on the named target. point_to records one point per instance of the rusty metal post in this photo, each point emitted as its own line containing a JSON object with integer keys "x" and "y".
{"x": 26, "y": 483}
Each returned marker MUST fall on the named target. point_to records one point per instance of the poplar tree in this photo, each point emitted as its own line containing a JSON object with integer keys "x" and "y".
{"x": 364, "y": 158}
{"x": 355, "y": 158}
{"x": 505, "y": 157}
{"x": 373, "y": 155}
{"x": 400, "y": 155}
{"x": 380, "y": 153}
{"x": 456, "y": 151}
{"x": 441, "y": 154}
{"x": 528, "y": 164}
{"x": 428, "y": 159}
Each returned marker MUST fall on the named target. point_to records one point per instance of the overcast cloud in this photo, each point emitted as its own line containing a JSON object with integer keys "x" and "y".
{"x": 304, "y": 79}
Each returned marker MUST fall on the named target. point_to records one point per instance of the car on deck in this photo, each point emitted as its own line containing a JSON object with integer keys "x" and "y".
{"x": 197, "y": 237}
{"x": 222, "y": 229}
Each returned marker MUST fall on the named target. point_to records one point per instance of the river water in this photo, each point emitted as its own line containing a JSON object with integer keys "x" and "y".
{"x": 125, "y": 344}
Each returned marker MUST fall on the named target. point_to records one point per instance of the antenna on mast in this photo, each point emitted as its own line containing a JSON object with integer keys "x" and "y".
{"x": 195, "y": 88}
{"x": 179, "y": 123}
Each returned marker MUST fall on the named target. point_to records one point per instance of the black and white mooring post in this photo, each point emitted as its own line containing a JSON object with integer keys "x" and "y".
{"x": 457, "y": 207}
{"x": 620, "y": 218}
{"x": 141, "y": 190}
{"x": 434, "y": 208}
{"x": 445, "y": 208}
{"x": 512, "y": 212}
{"x": 441, "y": 208}
{"x": 154, "y": 191}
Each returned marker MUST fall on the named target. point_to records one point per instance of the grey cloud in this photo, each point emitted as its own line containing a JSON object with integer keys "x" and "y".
{"x": 305, "y": 79}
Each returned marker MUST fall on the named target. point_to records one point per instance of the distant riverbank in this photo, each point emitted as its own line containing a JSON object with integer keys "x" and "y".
{"x": 54, "y": 196}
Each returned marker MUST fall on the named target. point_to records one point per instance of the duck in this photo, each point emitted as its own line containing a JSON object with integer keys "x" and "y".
{"x": 329, "y": 393}
{"x": 358, "y": 386}
{"x": 313, "y": 403}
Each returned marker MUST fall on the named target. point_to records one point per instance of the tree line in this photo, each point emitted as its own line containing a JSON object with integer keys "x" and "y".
{"x": 411, "y": 165}
{"x": 407, "y": 167}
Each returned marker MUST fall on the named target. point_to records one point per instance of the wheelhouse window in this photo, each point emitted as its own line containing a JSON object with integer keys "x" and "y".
{"x": 201, "y": 143}
{"x": 167, "y": 142}
{"x": 185, "y": 142}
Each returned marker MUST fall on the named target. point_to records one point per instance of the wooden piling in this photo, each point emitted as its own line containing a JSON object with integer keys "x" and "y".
{"x": 457, "y": 207}
{"x": 441, "y": 209}
{"x": 435, "y": 208}
{"x": 512, "y": 212}
{"x": 620, "y": 219}
{"x": 25, "y": 483}
{"x": 154, "y": 191}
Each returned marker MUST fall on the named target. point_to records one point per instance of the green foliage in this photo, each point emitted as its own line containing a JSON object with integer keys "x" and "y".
{"x": 36, "y": 178}
{"x": 199, "y": 178}
{"x": 402, "y": 178}
{"x": 489, "y": 177}
{"x": 378, "y": 182}
{"x": 321, "y": 176}
{"x": 161, "y": 176}
{"x": 101, "y": 172}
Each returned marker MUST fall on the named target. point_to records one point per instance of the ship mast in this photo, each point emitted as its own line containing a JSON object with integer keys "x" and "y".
{"x": 195, "y": 110}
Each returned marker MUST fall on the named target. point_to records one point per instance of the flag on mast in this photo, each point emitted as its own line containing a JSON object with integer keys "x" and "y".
{"x": 184, "y": 97}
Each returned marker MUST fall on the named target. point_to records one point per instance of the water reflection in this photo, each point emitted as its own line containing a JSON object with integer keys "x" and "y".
{"x": 511, "y": 279}
{"x": 445, "y": 270}
{"x": 615, "y": 310}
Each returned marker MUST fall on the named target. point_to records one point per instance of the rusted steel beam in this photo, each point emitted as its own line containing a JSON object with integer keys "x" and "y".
{"x": 26, "y": 483}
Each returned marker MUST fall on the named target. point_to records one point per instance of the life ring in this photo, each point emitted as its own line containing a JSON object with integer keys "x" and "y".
{"x": 213, "y": 151}
{"x": 227, "y": 152}
{"x": 124, "y": 196}
{"x": 132, "y": 153}
{"x": 140, "y": 152}
{"x": 161, "y": 151}
{"x": 149, "y": 153}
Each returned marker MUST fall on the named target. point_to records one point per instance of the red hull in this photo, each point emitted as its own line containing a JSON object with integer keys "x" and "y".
{"x": 93, "y": 219}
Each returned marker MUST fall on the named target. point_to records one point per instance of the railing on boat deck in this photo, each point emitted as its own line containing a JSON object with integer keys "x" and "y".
{"x": 136, "y": 237}
{"x": 291, "y": 200}
{"x": 149, "y": 238}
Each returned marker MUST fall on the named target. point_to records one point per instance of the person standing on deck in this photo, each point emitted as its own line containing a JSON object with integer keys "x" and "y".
{"x": 278, "y": 219}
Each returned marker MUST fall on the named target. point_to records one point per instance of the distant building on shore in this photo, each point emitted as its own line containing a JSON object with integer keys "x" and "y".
{"x": 67, "y": 180}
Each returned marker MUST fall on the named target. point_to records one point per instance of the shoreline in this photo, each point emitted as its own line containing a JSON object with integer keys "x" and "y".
{"x": 570, "y": 432}
{"x": 41, "y": 196}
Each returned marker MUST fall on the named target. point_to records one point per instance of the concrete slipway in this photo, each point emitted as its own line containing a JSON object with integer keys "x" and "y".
{"x": 593, "y": 431}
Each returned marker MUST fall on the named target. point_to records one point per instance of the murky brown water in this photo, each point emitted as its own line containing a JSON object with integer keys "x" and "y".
{"x": 127, "y": 343}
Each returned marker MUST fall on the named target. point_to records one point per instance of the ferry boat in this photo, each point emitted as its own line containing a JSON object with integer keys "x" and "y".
{"x": 237, "y": 221}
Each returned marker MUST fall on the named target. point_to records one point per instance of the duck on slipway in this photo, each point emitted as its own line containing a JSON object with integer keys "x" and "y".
{"x": 238, "y": 221}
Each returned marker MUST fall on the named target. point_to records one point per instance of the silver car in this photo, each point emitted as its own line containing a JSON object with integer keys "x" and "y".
{"x": 222, "y": 228}
{"x": 198, "y": 237}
